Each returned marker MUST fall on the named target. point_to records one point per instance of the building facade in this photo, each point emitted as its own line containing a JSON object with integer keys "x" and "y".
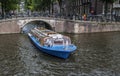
{"x": 116, "y": 7}
{"x": 81, "y": 7}
{"x": 97, "y": 6}
{"x": 78, "y": 7}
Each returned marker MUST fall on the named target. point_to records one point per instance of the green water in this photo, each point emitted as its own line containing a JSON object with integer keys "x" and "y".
{"x": 97, "y": 54}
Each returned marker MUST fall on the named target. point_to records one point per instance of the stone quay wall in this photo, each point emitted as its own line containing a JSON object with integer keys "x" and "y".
{"x": 67, "y": 26}
{"x": 90, "y": 27}
{"x": 7, "y": 27}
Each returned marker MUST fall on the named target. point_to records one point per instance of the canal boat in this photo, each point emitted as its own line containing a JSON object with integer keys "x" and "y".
{"x": 51, "y": 42}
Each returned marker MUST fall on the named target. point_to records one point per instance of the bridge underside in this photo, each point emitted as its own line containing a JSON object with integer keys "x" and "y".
{"x": 30, "y": 25}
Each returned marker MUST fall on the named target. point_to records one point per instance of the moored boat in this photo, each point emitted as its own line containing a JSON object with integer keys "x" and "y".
{"x": 51, "y": 42}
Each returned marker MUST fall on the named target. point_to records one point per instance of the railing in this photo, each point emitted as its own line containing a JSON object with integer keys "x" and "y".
{"x": 97, "y": 18}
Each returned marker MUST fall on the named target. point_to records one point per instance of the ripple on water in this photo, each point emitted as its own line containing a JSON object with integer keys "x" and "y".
{"x": 97, "y": 54}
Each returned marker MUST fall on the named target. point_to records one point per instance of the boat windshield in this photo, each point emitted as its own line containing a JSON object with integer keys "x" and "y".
{"x": 62, "y": 41}
{"x": 58, "y": 42}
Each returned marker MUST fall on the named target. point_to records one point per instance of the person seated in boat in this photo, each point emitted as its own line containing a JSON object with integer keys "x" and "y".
{"x": 48, "y": 42}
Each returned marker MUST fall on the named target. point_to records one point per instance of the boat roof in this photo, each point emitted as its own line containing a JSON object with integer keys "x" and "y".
{"x": 48, "y": 33}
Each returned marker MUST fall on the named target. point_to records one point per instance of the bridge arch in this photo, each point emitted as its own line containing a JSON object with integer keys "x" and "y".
{"x": 27, "y": 26}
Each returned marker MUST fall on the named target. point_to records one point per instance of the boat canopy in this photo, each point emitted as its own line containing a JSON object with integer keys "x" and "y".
{"x": 51, "y": 38}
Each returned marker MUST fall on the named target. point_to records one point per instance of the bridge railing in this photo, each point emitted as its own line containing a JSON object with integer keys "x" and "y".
{"x": 97, "y": 18}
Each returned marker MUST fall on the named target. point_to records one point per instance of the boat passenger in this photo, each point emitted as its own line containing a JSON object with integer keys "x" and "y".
{"x": 48, "y": 42}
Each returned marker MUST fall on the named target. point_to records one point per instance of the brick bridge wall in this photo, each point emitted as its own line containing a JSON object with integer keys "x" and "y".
{"x": 67, "y": 26}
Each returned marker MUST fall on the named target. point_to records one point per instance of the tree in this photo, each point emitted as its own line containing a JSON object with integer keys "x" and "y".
{"x": 43, "y": 5}
{"x": 30, "y": 5}
{"x": 8, "y": 5}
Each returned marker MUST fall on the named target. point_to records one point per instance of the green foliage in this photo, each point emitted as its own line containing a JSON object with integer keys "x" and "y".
{"x": 39, "y": 4}
{"x": 9, "y": 4}
{"x": 29, "y": 4}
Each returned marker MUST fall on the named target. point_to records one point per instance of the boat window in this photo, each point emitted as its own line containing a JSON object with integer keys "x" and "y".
{"x": 58, "y": 42}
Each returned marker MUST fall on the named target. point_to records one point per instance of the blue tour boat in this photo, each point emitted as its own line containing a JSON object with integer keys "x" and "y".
{"x": 51, "y": 42}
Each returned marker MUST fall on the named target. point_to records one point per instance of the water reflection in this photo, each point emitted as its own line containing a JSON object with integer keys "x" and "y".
{"x": 97, "y": 55}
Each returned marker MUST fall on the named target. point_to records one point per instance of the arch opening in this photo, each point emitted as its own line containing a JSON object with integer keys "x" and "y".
{"x": 32, "y": 24}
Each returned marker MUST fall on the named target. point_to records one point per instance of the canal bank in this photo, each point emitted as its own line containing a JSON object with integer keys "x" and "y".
{"x": 9, "y": 26}
{"x": 91, "y": 27}
{"x": 67, "y": 26}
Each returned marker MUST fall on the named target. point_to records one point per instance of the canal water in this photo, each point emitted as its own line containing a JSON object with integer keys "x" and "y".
{"x": 97, "y": 54}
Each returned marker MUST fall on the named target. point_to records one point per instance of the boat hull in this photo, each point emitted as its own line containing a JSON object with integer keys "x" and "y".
{"x": 62, "y": 53}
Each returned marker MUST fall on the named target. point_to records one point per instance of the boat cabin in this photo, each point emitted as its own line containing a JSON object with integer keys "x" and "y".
{"x": 50, "y": 38}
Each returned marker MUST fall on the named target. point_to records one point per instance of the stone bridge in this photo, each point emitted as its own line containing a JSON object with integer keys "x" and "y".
{"x": 15, "y": 25}
{"x": 59, "y": 25}
{"x": 49, "y": 21}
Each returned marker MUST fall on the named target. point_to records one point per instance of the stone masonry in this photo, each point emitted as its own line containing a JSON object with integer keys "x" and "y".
{"x": 67, "y": 26}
